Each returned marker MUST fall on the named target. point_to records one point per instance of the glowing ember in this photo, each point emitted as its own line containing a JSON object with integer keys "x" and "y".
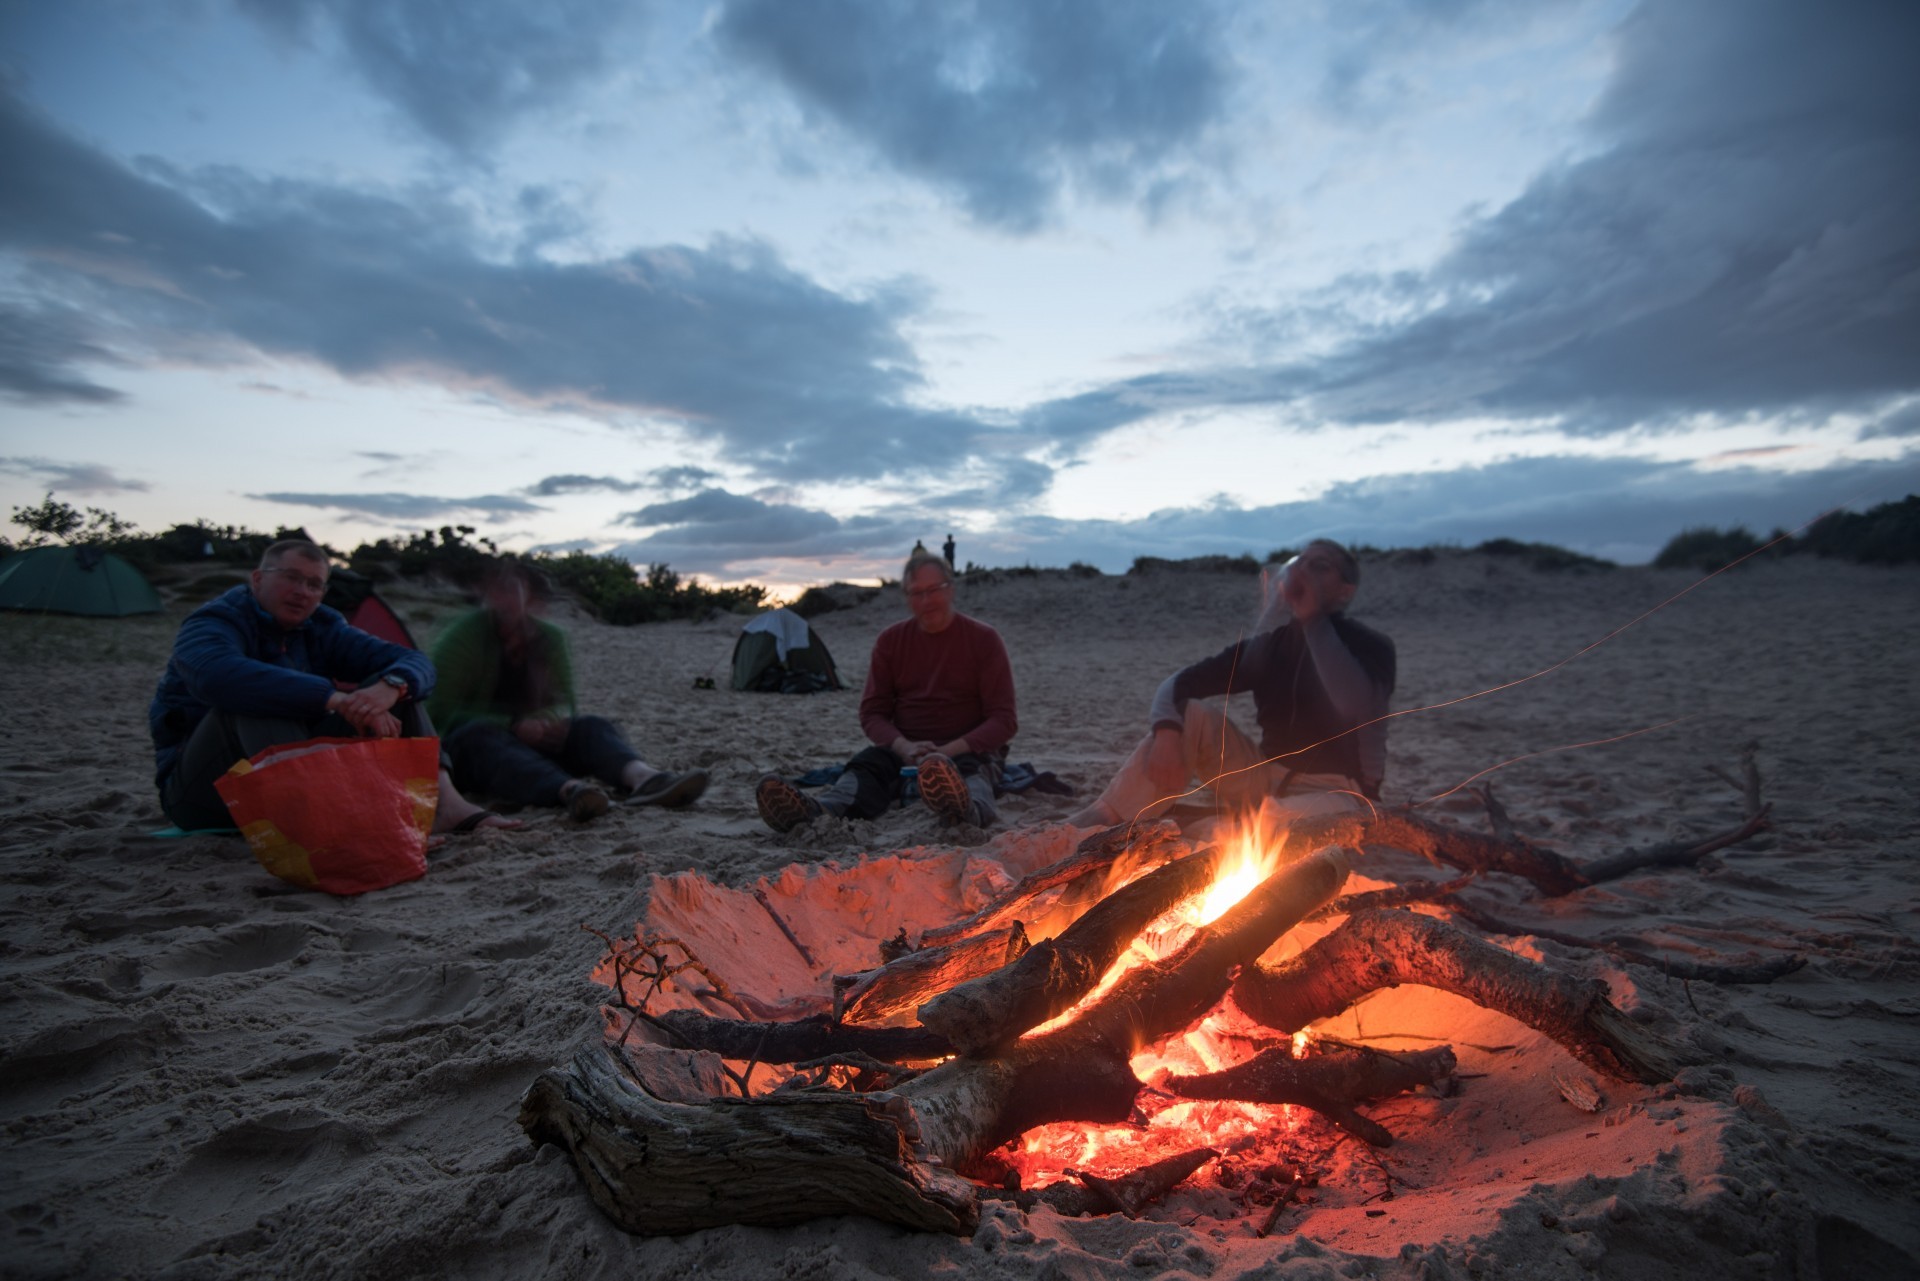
{"x": 1224, "y": 1038}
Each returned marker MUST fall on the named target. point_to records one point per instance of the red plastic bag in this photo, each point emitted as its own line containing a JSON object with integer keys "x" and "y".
{"x": 344, "y": 815}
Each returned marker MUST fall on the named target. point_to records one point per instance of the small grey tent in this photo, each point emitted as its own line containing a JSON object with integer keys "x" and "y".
{"x": 75, "y": 580}
{"x": 778, "y": 653}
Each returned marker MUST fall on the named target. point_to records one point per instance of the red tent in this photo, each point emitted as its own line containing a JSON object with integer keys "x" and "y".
{"x": 353, "y": 595}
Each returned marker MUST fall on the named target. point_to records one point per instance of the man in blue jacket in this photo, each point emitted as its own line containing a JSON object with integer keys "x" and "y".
{"x": 256, "y": 666}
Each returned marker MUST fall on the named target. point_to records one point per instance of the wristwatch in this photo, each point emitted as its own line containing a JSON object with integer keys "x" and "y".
{"x": 396, "y": 680}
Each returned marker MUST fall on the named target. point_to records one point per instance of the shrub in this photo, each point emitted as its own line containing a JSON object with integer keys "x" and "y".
{"x": 614, "y": 591}
{"x": 1244, "y": 563}
{"x": 1543, "y": 556}
{"x": 1885, "y": 535}
{"x": 1706, "y": 549}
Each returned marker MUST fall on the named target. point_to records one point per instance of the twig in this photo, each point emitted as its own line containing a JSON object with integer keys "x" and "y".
{"x": 798, "y": 946}
{"x": 1280, "y": 1203}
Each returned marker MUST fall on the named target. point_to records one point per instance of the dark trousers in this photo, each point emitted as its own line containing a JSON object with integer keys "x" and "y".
{"x": 488, "y": 760}
{"x": 222, "y": 738}
{"x": 877, "y": 783}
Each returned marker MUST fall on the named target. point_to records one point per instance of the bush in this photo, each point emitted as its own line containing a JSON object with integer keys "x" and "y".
{"x": 448, "y": 556}
{"x": 1244, "y": 563}
{"x": 614, "y": 591}
{"x": 1706, "y": 549}
{"x": 1543, "y": 556}
{"x": 1885, "y": 535}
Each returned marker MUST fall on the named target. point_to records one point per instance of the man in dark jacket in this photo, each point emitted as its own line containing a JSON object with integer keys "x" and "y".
{"x": 257, "y": 666}
{"x": 1320, "y": 683}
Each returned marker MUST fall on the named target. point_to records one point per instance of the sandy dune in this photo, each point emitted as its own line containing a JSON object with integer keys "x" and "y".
{"x": 205, "y": 1072}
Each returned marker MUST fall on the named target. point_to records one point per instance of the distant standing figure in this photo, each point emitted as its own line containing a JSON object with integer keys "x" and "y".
{"x": 1320, "y": 683}
{"x": 946, "y": 549}
{"x": 939, "y": 696}
{"x": 505, "y": 705}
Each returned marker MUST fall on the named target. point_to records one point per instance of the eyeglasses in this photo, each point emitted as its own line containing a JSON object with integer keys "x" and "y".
{"x": 921, "y": 593}
{"x": 307, "y": 581}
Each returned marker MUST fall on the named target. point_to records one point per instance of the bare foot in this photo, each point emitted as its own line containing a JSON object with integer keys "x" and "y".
{"x": 457, "y": 814}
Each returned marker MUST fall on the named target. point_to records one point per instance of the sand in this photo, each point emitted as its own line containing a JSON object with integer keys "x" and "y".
{"x": 205, "y": 1072}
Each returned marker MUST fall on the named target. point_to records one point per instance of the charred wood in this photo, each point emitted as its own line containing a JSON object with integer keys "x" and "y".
{"x": 814, "y": 1037}
{"x": 1080, "y": 1072}
{"x": 1151, "y": 843}
{"x": 899, "y": 986}
{"x": 1385, "y": 949}
{"x": 1329, "y": 1083}
{"x": 988, "y": 1012}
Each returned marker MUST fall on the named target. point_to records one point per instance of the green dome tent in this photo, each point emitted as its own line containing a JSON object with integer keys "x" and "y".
{"x": 75, "y": 580}
{"x": 778, "y": 653}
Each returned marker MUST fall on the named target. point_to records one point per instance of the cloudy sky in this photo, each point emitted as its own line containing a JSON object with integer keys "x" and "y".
{"x": 768, "y": 289}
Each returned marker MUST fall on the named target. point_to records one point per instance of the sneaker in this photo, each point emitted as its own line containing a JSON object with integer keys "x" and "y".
{"x": 783, "y": 806}
{"x": 945, "y": 791}
{"x": 670, "y": 790}
{"x": 585, "y": 801}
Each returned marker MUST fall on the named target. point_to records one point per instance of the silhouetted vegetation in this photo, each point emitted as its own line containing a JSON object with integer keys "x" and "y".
{"x": 1707, "y": 549}
{"x": 1244, "y": 563}
{"x": 609, "y": 587}
{"x": 1885, "y": 535}
{"x": 1543, "y": 556}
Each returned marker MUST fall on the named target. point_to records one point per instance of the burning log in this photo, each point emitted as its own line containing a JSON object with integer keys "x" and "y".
{"x": 1387, "y": 948}
{"x": 1329, "y": 1083}
{"x": 898, "y": 986}
{"x": 1080, "y": 1072}
{"x": 991, "y": 1011}
{"x": 1148, "y": 843}
{"x": 1129, "y": 1194}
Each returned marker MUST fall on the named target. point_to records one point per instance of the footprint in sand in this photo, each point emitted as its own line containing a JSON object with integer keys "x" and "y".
{"x": 253, "y": 947}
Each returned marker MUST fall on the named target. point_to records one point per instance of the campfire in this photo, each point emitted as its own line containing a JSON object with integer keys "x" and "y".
{"x": 1127, "y": 1014}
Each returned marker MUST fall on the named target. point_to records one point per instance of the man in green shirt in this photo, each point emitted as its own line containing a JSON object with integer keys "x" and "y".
{"x": 505, "y": 707}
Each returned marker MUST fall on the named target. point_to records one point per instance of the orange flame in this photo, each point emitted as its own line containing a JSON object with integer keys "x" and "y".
{"x": 1218, "y": 1041}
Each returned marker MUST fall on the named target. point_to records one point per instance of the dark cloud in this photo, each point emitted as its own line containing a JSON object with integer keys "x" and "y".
{"x": 407, "y": 507}
{"x": 552, "y": 486}
{"x": 711, "y": 530}
{"x": 1005, "y": 102}
{"x": 1008, "y": 483}
{"x": 788, "y": 376}
{"x": 39, "y": 348}
{"x": 675, "y": 478}
{"x": 72, "y": 478}
{"x": 1901, "y": 421}
{"x": 461, "y": 70}
{"x": 1741, "y": 240}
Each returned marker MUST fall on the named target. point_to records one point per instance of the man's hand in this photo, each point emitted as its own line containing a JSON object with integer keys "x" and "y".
{"x": 369, "y": 710}
{"x": 1167, "y": 762}
{"x": 911, "y": 751}
{"x": 544, "y": 733}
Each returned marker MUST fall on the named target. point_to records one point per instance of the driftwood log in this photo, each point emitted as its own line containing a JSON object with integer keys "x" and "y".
{"x": 1330, "y": 1083}
{"x": 1382, "y": 949}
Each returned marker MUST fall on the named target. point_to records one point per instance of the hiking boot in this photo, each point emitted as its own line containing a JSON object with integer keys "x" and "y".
{"x": 585, "y": 801}
{"x": 783, "y": 806}
{"x": 670, "y": 790}
{"x": 945, "y": 791}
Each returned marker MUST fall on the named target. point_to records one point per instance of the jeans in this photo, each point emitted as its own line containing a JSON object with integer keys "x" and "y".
{"x": 488, "y": 760}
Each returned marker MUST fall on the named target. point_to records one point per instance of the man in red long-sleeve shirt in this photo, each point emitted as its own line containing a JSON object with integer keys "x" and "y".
{"x": 939, "y": 696}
